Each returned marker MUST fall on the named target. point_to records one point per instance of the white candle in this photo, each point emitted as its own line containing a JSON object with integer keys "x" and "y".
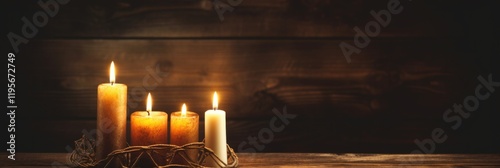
{"x": 215, "y": 132}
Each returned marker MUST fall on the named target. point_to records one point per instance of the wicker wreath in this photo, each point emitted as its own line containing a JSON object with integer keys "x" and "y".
{"x": 157, "y": 155}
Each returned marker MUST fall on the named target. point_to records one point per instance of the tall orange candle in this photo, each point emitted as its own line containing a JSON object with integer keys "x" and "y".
{"x": 148, "y": 127}
{"x": 215, "y": 133}
{"x": 111, "y": 116}
{"x": 184, "y": 127}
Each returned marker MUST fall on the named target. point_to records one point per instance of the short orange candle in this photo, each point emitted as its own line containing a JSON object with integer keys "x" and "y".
{"x": 184, "y": 130}
{"x": 184, "y": 127}
{"x": 148, "y": 127}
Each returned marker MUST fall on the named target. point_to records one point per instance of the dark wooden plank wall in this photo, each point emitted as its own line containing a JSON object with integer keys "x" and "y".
{"x": 265, "y": 55}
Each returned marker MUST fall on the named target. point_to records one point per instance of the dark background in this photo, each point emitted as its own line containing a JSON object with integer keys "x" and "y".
{"x": 264, "y": 55}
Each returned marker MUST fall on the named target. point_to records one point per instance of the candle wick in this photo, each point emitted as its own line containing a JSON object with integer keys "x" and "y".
{"x": 148, "y": 112}
{"x": 112, "y": 83}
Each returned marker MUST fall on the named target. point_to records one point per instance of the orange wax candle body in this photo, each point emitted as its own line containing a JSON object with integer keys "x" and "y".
{"x": 184, "y": 128}
{"x": 111, "y": 117}
{"x": 148, "y": 129}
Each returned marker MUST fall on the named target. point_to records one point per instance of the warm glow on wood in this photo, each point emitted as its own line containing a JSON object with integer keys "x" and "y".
{"x": 112, "y": 73}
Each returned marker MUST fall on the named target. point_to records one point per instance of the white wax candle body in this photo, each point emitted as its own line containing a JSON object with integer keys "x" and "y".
{"x": 215, "y": 134}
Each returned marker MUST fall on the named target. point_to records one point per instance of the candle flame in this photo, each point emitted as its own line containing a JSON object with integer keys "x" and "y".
{"x": 183, "y": 111}
{"x": 149, "y": 103}
{"x": 112, "y": 73}
{"x": 215, "y": 101}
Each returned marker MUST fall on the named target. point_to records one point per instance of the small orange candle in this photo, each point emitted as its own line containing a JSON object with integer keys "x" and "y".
{"x": 148, "y": 127}
{"x": 184, "y": 127}
{"x": 183, "y": 130}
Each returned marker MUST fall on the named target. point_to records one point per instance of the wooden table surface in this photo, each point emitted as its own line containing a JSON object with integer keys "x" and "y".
{"x": 301, "y": 160}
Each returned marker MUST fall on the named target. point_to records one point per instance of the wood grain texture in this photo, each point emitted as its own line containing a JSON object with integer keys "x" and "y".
{"x": 304, "y": 160}
{"x": 252, "y": 18}
{"x": 252, "y": 76}
{"x": 380, "y": 102}
{"x": 376, "y": 134}
{"x": 265, "y": 55}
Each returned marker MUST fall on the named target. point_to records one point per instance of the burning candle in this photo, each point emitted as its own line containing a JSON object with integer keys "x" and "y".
{"x": 111, "y": 116}
{"x": 148, "y": 127}
{"x": 215, "y": 132}
{"x": 183, "y": 130}
{"x": 184, "y": 127}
